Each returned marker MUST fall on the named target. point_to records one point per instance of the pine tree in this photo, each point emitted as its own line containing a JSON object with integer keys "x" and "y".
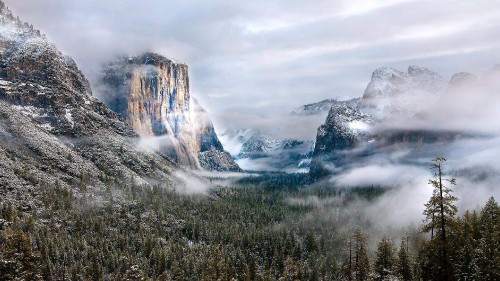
{"x": 17, "y": 259}
{"x": 385, "y": 260}
{"x": 361, "y": 263}
{"x": 466, "y": 257}
{"x": 403, "y": 264}
{"x": 490, "y": 241}
{"x": 440, "y": 212}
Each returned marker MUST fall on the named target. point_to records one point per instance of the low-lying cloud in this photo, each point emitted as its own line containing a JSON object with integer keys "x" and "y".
{"x": 268, "y": 57}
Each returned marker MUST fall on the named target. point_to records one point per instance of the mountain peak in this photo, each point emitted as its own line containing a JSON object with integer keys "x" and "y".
{"x": 392, "y": 93}
{"x": 385, "y": 73}
{"x": 414, "y": 70}
{"x": 151, "y": 92}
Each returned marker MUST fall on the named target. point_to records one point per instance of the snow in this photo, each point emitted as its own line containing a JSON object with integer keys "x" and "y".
{"x": 69, "y": 117}
{"x": 46, "y": 126}
{"x": 392, "y": 93}
{"x": 5, "y": 84}
{"x": 358, "y": 125}
{"x": 35, "y": 47}
{"x": 30, "y": 111}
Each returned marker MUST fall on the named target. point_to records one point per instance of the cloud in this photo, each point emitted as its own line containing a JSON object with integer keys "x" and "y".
{"x": 189, "y": 183}
{"x": 382, "y": 175}
{"x": 272, "y": 56}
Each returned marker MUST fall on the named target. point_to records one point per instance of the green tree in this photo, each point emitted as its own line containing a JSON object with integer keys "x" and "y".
{"x": 490, "y": 241}
{"x": 440, "y": 212}
{"x": 404, "y": 263}
{"x": 361, "y": 263}
{"x": 466, "y": 255}
{"x": 385, "y": 260}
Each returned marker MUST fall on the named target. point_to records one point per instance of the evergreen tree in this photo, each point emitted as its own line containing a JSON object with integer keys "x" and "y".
{"x": 385, "y": 260}
{"x": 403, "y": 264}
{"x": 440, "y": 212}
{"x": 17, "y": 259}
{"x": 490, "y": 241}
{"x": 361, "y": 263}
{"x": 466, "y": 255}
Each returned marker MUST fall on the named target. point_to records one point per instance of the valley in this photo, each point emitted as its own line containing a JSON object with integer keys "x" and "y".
{"x": 125, "y": 175}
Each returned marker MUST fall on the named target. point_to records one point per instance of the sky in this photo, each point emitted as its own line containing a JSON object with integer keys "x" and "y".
{"x": 253, "y": 62}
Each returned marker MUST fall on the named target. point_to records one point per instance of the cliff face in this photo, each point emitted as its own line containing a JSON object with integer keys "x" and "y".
{"x": 392, "y": 97}
{"x": 394, "y": 94}
{"x": 151, "y": 92}
{"x": 52, "y": 130}
{"x": 344, "y": 129}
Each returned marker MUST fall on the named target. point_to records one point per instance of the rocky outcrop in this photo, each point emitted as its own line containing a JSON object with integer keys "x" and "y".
{"x": 344, "y": 129}
{"x": 395, "y": 94}
{"x": 53, "y": 132}
{"x": 152, "y": 94}
{"x": 392, "y": 101}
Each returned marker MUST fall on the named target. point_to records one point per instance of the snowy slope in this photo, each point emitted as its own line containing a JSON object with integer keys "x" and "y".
{"x": 393, "y": 94}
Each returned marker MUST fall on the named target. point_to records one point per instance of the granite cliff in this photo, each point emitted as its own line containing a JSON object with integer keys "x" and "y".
{"x": 152, "y": 94}
{"x": 392, "y": 115}
{"x": 53, "y": 132}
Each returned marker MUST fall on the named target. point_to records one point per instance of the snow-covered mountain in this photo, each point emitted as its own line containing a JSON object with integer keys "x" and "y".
{"x": 344, "y": 129}
{"x": 259, "y": 150}
{"x": 394, "y": 94}
{"x": 323, "y": 107}
{"x": 53, "y": 132}
{"x": 391, "y": 97}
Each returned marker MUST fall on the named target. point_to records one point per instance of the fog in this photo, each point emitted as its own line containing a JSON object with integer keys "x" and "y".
{"x": 253, "y": 62}
{"x": 465, "y": 119}
{"x": 265, "y": 58}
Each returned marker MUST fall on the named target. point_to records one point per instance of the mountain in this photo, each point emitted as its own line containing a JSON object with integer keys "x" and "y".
{"x": 323, "y": 107}
{"x": 53, "y": 132}
{"x": 152, "y": 94}
{"x": 350, "y": 134}
{"x": 260, "y": 150}
{"x": 393, "y": 94}
{"x": 344, "y": 129}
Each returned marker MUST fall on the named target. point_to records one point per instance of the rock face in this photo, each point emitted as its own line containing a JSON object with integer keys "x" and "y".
{"x": 395, "y": 94}
{"x": 151, "y": 93}
{"x": 344, "y": 129}
{"x": 52, "y": 131}
{"x": 392, "y": 96}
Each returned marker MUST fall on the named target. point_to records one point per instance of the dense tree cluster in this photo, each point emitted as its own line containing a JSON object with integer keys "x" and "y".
{"x": 257, "y": 231}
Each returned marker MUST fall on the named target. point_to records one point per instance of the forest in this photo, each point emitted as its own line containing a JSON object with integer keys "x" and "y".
{"x": 260, "y": 228}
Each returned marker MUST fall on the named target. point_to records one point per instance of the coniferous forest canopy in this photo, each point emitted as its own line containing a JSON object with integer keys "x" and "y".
{"x": 111, "y": 170}
{"x": 251, "y": 231}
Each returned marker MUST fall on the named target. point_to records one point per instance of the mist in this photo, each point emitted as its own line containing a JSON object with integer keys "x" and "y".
{"x": 251, "y": 59}
{"x": 465, "y": 120}
{"x": 252, "y": 63}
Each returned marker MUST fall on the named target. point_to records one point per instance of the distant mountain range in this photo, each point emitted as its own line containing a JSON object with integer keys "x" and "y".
{"x": 399, "y": 111}
{"x": 148, "y": 125}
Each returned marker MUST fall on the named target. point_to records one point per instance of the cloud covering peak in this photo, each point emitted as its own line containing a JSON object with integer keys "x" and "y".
{"x": 264, "y": 58}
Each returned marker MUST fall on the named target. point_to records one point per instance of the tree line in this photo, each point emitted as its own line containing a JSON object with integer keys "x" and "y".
{"x": 134, "y": 232}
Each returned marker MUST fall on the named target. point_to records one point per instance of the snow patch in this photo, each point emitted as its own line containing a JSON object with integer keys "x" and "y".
{"x": 69, "y": 117}
{"x": 30, "y": 111}
{"x": 46, "y": 126}
{"x": 358, "y": 125}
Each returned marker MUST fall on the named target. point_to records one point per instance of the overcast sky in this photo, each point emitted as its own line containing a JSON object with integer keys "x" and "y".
{"x": 251, "y": 60}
